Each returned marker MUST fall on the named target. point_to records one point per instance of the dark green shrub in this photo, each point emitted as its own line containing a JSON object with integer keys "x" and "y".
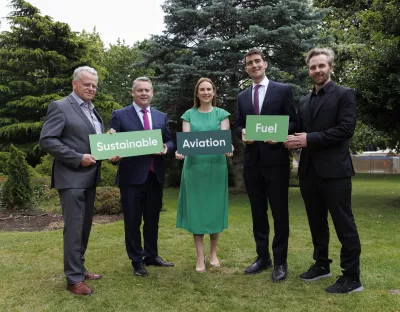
{"x": 17, "y": 190}
{"x": 108, "y": 174}
{"x": 45, "y": 166}
{"x": 4, "y": 156}
{"x": 294, "y": 180}
{"x": 173, "y": 171}
{"x": 107, "y": 201}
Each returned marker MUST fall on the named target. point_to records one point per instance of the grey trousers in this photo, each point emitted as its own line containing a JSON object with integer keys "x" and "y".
{"x": 77, "y": 208}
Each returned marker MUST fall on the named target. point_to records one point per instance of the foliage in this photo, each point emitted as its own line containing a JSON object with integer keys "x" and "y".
{"x": 37, "y": 59}
{"x": 367, "y": 39}
{"x": 206, "y": 38}
{"x": 122, "y": 64}
{"x": 107, "y": 201}
{"x": 366, "y": 138}
{"x": 17, "y": 190}
{"x": 4, "y": 156}
{"x": 107, "y": 174}
{"x": 46, "y": 165}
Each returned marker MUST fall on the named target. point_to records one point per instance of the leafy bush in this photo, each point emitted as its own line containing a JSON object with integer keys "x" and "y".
{"x": 4, "y": 156}
{"x": 108, "y": 174}
{"x": 173, "y": 171}
{"x": 107, "y": 201}
{"x": 45, "y": 166}
{"x": 17, "y": 190}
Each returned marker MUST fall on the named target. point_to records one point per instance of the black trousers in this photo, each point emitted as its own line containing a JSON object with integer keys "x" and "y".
{"x": 142, "y": 201}
{"x": 321, "y": 195}
{"x": 77, "y": 208}
{"x": 269, "y": 185}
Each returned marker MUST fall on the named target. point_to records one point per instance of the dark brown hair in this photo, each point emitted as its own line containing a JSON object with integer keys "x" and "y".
{"x": 196, "y": 91}
{"x": 254, "y": 51}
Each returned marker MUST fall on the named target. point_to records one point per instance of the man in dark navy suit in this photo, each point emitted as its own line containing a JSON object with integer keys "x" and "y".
{"x": 140, "y": 178}
{"x": 266, "y": 165}
{"x": 327, "y": 119}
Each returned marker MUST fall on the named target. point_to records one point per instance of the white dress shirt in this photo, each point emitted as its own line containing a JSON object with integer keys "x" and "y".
{"x": 140, "y": 114}
{"x": 262, "y": 90}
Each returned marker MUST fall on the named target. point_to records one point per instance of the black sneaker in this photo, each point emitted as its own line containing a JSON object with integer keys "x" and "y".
{"x": 315, "y": 272}
{"x": 345, "y": 284}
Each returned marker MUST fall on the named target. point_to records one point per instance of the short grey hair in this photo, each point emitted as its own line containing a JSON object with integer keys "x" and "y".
{"x": 318, "y": 51}
{"x": 79, "y": 70}
{"x": 141, "y": 79}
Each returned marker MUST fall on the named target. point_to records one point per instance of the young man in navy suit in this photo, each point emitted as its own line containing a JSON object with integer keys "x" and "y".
{"x": 140, "y": 178}
{"x": 327, "y": 119}
{"x": 266, "y": 165}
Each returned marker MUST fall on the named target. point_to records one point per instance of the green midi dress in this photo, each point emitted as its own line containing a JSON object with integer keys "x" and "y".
{"x": 203, "y": 196}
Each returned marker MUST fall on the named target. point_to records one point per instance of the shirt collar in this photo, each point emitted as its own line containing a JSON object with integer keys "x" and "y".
{"x": 324, "y": 89}
{"x": 263, "y": 82}
{"x": 138, "y": 108}
{"x": 81, "y": 102}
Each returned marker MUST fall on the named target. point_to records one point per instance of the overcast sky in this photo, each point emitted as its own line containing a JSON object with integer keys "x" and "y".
{"x": 131, "y": 20}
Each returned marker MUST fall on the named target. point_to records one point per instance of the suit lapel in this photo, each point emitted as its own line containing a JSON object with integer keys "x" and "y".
{"x": 153, "y": 117}
{"x": 79, "y": 111}
{"x": 134, "y": 116}
{"x": 305, "y": 110}
{"x": 99, "y": 119}
{"x": 329, "y": 93}
{"x": 268, "y": 97}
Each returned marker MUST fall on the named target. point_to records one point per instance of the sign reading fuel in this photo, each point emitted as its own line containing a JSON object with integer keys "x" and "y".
{"x": 267, "y": 127}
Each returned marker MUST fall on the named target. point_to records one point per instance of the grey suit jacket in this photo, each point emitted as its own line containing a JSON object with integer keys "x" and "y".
{"x": 65, "y": 136}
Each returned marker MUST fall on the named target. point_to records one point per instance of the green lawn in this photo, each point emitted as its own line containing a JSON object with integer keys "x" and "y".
{"x": 31, "y": 276}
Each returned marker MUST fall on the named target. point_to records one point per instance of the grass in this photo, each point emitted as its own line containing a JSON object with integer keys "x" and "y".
{"x": 31, "y": 273}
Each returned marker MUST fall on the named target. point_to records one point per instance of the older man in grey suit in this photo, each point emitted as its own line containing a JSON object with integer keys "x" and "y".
{"x": 65, "y": 135}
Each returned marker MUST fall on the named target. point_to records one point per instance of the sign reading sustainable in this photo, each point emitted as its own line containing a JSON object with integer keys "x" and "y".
{"x": 270, "y": 127}
{"x": 134, "y": 143}
{"x": 204, "y": 142}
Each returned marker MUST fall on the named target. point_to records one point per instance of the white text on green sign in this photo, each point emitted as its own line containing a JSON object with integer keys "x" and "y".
{"x": 267, "y": 127}
{"x": 124, "y": 144}
{"x": 204, "y": 142}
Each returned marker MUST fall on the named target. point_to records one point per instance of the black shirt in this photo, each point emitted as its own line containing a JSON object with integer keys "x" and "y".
{"x": 316, "y": 98}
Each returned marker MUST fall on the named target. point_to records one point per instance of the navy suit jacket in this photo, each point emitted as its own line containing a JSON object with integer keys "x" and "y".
{"x": 134, "y": 170}
{"x": 278, "y": 101}
{"x": 328, "y": 132}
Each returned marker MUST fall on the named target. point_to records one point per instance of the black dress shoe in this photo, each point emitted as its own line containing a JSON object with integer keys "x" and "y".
{"x": 139, "y": 270}
{"x": 279, "y": 273}
{"x": 258, "y": 266}
{"x": 157, "y": 261}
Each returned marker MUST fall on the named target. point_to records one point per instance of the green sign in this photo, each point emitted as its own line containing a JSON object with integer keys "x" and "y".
{"x": 264, "y": 128}
{"x": 204, "y": 142}
{"x": 134, "y": 143}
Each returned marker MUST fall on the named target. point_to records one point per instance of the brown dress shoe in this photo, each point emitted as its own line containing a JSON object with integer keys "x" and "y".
{"x": 79, "y": 289}
{"x": 92, "y": 276}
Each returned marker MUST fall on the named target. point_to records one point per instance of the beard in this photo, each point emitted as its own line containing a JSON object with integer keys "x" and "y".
{"x": 322, "y": 78}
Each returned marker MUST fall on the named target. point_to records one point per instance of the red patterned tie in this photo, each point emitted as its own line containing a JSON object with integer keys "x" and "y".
{"x": 256, "y": 100}
{"x": 146, "y": 125}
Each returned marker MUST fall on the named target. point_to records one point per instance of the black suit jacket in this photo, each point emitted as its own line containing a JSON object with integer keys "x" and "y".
{"x": 278, "y": 101}
{"x": 328, "y": 132}
{"x": 134, "y": 170}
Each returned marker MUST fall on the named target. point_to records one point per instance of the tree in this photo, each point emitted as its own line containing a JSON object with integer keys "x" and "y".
{"x": 37, "y": 58}
{"x": 209, "y": 38}
{"x": 17, "y": 190}
{"x": 122, "y": 63}
{"x": 366, "y": 138}
{"x": 367, "y": 39}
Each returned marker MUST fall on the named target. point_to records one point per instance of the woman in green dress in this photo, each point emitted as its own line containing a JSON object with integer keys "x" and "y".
{"x": 203, "y": 196}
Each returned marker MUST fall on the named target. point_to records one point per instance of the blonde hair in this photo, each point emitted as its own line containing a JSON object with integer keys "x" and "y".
{"x": 318, "y": 51}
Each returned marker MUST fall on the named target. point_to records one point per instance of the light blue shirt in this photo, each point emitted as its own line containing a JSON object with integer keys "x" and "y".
{"x": 140, "y": 114}
{"x": 88, "y": 108}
